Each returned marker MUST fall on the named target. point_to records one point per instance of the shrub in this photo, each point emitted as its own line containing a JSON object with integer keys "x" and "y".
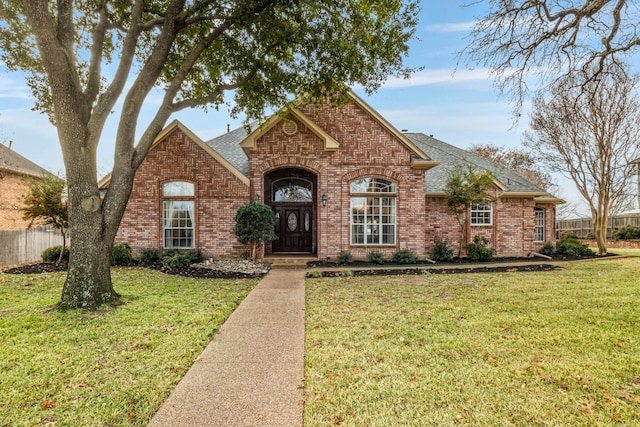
{"x": 375, "y": 257}
{"x": 346, "y": 273}
{"x": 441, "y": 251}
{"x": 314, "y": 274}
{"x": 345, "y": 257}
{"x": 176, "y": 260}
{"x": 194, "y": 255}
{"x": 121, "y": 254}
{"x": 150, "y": 255}
{"x": 627, "y": 233}
{"x": 404, "y": 256}
{"x": 548, "y": 249}
{"x": 478, "y": 249}
{"x": 53, "y": 254}
{"x": 571, "y": 246}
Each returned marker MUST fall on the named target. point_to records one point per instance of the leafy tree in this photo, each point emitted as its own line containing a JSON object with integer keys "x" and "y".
{"x": 520, "y": 161}
{"x": 588, "y": 129}
{"x": 464, "y": 187}
{"x": 45, "y": 205}
{"x": 255, "y": 225}
{"x": 82, "y": 57}
{"x": 548, "y": 39}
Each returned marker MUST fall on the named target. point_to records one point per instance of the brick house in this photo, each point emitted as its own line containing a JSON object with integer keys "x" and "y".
{"x": 15, "y": 173}
{"x": 336, "y": 179}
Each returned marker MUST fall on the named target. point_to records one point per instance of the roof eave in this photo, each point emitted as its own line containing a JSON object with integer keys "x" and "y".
{"x": 417, "y": 163}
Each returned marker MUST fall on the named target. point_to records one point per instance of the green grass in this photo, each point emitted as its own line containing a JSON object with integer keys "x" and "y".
{"x": 114, "y": 366}
{"x": 512, "y": 349}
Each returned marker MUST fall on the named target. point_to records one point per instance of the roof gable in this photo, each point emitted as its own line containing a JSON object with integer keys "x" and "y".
{"x": 14, "y": 162}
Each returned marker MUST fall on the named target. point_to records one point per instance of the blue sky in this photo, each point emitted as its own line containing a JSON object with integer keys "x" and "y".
{"x": 460, "y": 108}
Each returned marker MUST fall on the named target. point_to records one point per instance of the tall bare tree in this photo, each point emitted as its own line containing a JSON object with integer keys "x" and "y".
{"x": 520, "y": 161}
{"x": 83, "y": 56}
{"x": 518, "y": 39}
{"x": 588, "y": 128}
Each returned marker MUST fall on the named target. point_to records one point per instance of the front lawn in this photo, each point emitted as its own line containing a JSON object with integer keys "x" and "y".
{"x": 545, "y": 348}
{"x": 110, "y": 367}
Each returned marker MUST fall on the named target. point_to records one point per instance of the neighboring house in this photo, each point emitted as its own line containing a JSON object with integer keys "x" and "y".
{"x": 15, "y": 173}
{"x": 337, "y": 180}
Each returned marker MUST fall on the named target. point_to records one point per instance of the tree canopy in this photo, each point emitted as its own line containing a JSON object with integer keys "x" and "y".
{"x": 84, "y": 56}
{"x": 589, "y": 129}
{"x": 525, "y": 42}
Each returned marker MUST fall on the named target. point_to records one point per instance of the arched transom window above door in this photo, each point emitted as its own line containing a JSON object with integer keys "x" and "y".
{"x": 292, "y": 190}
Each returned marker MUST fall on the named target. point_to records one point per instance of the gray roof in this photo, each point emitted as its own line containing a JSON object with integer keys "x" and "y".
{"x": 14, "y": 162}
{"x": 447, "y": 155}
{"x": 228, "y": 146}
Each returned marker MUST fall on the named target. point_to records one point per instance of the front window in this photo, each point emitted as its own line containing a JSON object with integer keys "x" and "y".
{"x": 292, "y": 190}
{"x": 178, "y": 215}
{"x": 481, "y": 213}
{"x": 373, "y": 212}
{"x": 538, "y": 230}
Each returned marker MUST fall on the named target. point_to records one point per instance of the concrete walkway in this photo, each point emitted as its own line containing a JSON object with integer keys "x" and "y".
{"x": 252, "y": 372}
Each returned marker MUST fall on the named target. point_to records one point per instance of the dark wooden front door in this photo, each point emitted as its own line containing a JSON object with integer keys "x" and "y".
{"x": 294, "y": 228}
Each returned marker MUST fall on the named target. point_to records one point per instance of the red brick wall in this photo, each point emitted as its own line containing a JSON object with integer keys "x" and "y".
{"x": 366, "y": 149}
{"x": 219, "y": 194}
{"x": 13, "y": 189}
{"x": 511, "y": 233}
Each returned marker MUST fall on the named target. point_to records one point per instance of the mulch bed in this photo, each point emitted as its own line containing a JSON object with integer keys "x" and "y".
{"x": 357, "y": 268}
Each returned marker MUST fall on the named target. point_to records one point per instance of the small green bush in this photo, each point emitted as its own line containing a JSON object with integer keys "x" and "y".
{"x": 346, "y": 273}
{"x": 52, "y": 254}
{"x": 345, "y": 257}
{"x": 548, "y": 249}
{"x": 478, "y": 250}
{"x": 314, "y": 274}
{"x": 404, "y": 256}
{"x": 441, "y": 251}
{"x": 150, "y": 255}
{"x": 628, "y": 232}
{"x": 194, "y": 255}
{"x": 121, "y": 254}
{"x": 375, "y": 257}
{"x": 176, "y": 260}
{"x": 571, "y": 246}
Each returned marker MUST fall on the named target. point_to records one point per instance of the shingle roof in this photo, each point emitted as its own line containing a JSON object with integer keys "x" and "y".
{"x": 447, "y": 155}
{"x": 14, "y": 162}
{"x": 228, "y": 146}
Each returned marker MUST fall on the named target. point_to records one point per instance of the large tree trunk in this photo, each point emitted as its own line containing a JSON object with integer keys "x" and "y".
{"x": 600, "y": 231}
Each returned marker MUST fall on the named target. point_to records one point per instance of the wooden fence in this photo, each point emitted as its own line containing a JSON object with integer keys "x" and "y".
{"x": 21, "y": 246}
{"x": 581, "y": 227}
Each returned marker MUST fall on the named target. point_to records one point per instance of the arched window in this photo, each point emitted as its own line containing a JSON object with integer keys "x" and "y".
{"x": 373, "y": 211}
{"x": 178, "y": 214}
{"x": 292, "y": 190}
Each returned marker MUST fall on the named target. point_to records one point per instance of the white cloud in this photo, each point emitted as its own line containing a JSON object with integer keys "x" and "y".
{"x": 431, "y": 77}
{"x": 449, "y": 27}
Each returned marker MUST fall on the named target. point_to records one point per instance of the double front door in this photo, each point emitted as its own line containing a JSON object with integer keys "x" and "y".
{"x": 294, "y": 228}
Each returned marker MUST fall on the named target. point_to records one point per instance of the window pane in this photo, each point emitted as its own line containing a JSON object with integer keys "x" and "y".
{"x": 292, "y": 190}
{"x": 372, "y": 185}
{"x": 538, "y": 231}
{"x": 177, "y": 220}
{"x": 481, "y": 214}
{"x": 178, "y": 188}
{"x": 373, "y": 220}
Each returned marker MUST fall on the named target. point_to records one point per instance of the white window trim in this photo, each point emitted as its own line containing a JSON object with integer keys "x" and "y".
{"x": 391, "y": 193}
{"x": 481, "y": 208}
{"x": 536, "y": 212}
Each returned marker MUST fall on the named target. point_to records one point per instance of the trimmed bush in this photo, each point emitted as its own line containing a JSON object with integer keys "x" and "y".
{"x": 52, "y": 254}
{"x": 628, "y": 232}
{"x": 548, "y": 249}
{"x": 571, "y": 246}
{"x": 404, "y": 256}
{"x": 194, "y": 255}
{"x": 375, "y": 257}
{"x": 121, "y": 254}
{"x": 478, "y": 250}
{"x": 441, "y": 251}
{"x": 345, "y": 257}
{"x": 175, "y": 261}
{"x": 150, "y": 255}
